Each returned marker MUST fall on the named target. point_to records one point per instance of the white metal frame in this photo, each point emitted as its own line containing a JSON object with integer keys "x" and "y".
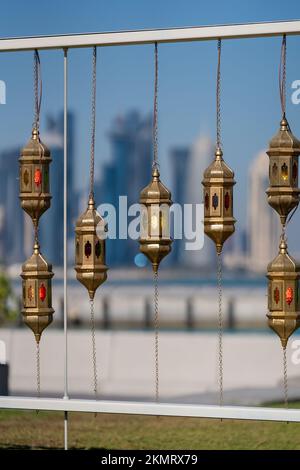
{"x": 65, "y": 42}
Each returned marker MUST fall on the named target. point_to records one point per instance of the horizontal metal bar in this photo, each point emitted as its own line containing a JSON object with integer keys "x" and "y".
{"x": 201, "y": 33}
{"x": 148, "y": 408}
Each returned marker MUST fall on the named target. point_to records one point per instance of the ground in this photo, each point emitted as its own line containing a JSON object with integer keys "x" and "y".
{"x": 44, "y": 430}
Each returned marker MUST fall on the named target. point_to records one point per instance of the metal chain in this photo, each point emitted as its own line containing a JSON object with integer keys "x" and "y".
{"x": 282, "y": 75}
{"x": 155, "y": 109}
{"x": 285, "y": 380}
{"x": 38, "y": 371}
{"x": 220, "y": 326}
{"x": 93, "y": 121}
{"x": 156, "y": 335}
{"x": 94, "y": 356}
{"x": 218, "y": 96}
{"x": 37, "y": 80}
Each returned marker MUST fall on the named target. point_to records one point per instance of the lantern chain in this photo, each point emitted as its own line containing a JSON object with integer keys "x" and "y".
{"x": 220, "y": 327}
{"x": 285, "y": 380}
{"x": 282, "y": 75}
{"x": 155, "y": 109}
{"x": 38, "y": 371}
{"x": 37, "y": 89}
{"x": 94, "y": 356}
{"x": 156, "y": 335}
{"x": 93, "y": 121}
{"x": 218, "y": 96}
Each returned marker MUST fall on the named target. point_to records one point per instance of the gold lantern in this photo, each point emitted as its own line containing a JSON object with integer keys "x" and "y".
{"x": 37, "y": 293}
{"x": 155, "y": 240}
{"x": 284, "y": 150}
{"x": 90, "y": 249}
{"x": 34, "y": 177}
{"x": 283, "y": 294}
{"x": 218, "y": 185}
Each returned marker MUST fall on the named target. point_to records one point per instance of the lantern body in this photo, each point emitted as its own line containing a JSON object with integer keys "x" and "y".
{"x": 218, "y": 185}
{"x": 34, "y": 177}
{"x": 283, "y": 295}
{"x": 284, "y": 150}
{"x": 155, "y": 240}
{"x": 90, "y": 250}
{"x": 37, "y": 293}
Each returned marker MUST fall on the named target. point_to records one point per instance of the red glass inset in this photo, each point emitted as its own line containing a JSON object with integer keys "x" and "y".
{"x": 289, "y": 295}
{"x": 87, "y": 249}
{"x": 215, "y": 201}
{"x": 227, "y": 201}
{"x": 276, "y": 295}
{"x": 38, "y": 177}
{"x": 42, "y": 292}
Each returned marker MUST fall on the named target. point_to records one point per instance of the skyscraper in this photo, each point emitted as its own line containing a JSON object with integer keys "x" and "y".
{"x": 179, "y": 159}
{"x": 126, "y": 174}
{"x": 12, "y": 250}
{"x": 263, "y": 222}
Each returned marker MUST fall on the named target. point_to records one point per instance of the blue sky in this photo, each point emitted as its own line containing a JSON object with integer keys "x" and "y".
{"x": 250, "y": 102}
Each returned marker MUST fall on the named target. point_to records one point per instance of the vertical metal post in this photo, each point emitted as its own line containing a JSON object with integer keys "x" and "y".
{"x": 65, "y": 244}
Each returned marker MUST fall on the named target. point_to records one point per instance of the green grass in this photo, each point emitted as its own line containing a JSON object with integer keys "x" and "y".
{"x": 29, "y": 430}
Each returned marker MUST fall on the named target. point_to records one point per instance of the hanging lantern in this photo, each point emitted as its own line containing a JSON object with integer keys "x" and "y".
{"x": 218, "y": 185}
{"x": 90, "y": 249}
{"x": 283, "y": 296}
{"x": 284, "y": 150}
{"x": 34, "y": 177}
{"x": 155, "y": 241}
{"x": 37, "y": 296}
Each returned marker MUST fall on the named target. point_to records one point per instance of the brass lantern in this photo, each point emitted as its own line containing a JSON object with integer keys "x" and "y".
{"x": 37, "y": 293}
{"x": 284, "y": 150}
{"x": 218, "y": 185}
{"x": 283, "y": 295}
{"x": 155, "y": 240}
{"x": 90, "y": 249}
{"x": 34, "y": 177}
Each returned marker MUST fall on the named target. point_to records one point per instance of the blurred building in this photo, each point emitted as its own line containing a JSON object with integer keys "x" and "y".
{"x": 179, "y": 162}
{"x": 12, "y": 216}
{"x": 201, "y": 155}
{"x": 264, "y": 225}
{"x": 128, "y": 171}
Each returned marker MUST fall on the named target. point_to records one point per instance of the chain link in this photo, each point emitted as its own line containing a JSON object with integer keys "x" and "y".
{"x": 94, "y": 356}
{"x": 218, "y": 96}
{"x": 37, "y": 80}
{"x": 93, "y": 121}
{"x": 285, "y": 380}
{"x": 155, "y": 109}
{"x": 282, "y": 75}
{"x": 156, "y": 335}
{"x": 220, "y": 326}
{"x": 38, "y": 371}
